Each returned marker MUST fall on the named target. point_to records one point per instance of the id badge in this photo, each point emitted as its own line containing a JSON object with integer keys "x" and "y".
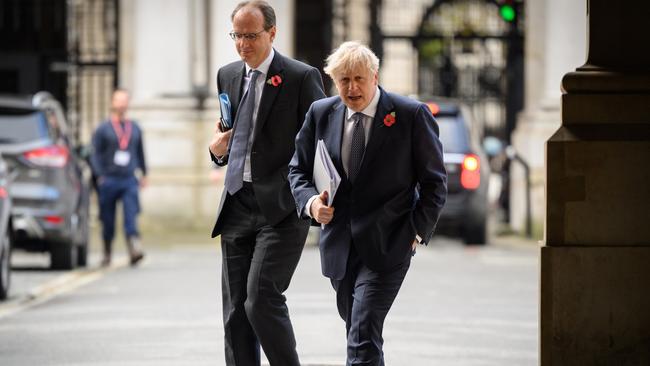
{"x": 122, "y": 158}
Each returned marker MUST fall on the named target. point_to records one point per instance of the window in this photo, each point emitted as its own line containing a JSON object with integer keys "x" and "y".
{"x": 453, "y": 134}
{"x": 22, "y": 125}
{"x": 53, "y": 121}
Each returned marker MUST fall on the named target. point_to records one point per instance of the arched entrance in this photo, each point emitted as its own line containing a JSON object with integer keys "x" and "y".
{"x": 472, "y": 50}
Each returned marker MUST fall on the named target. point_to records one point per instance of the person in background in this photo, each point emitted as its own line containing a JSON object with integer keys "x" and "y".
{"x": 118, "y": 153}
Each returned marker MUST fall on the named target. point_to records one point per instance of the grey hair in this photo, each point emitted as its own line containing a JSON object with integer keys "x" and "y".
{"x": 267, "y": 11}
{"x": 350, "y": 55}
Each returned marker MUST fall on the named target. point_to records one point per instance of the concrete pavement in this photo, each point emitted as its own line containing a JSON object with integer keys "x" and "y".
{"x": 458, "y": 306}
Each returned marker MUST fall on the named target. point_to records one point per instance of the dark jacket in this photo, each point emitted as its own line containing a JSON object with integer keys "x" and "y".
{"x": 381, "y": 213}
{"x": 280, "y": 116}
{"x": 105, "y": 144}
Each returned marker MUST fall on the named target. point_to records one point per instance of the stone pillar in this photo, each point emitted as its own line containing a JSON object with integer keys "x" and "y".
{"x": 555, "y": 42}
{"x": 398, "y": 71}
{"x": 594, "y": 264}
{"x": 358, "y": 19}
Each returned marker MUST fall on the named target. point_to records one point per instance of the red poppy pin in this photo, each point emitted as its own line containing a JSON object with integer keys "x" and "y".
{"x": 389, "y": 120}
{"x": 274, "y": 80}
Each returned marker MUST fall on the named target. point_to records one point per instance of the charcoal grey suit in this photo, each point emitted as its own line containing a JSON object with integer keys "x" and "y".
{"x": 261, "y": 236}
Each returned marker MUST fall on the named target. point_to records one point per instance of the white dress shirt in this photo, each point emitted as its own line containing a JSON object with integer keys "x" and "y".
{"x": 259, "y": 86}
{"x": 348, "y": 128}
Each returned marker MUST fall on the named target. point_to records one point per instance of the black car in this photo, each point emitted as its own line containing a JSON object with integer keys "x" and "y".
{"x": 468, "y": 171}
{"x": 50, "y": 192}
{"x": 5, "y": 231}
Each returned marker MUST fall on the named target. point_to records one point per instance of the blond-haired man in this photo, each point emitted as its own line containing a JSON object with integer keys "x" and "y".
{"x": 386, "y": 149}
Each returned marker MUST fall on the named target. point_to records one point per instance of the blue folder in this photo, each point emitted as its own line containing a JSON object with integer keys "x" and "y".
{"x": 224, "y": 106}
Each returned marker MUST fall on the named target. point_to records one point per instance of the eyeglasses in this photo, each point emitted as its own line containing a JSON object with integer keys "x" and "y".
{"x": 247, "y": 36}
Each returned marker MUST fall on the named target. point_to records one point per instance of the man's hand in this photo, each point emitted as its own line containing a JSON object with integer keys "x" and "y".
{"x": 219, "y": 143}
{"x": 415, "y": 244}
{"x": 143, "y": 182}
{"x": 320, "y": 211}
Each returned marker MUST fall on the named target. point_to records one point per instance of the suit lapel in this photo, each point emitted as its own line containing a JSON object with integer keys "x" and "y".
{"x": 379, "y": 130}
{"x": 234, "y": 93}
{"x": 334, "y": 135}
{"x": 235, "y": 89}
{"x": 269, "y": 93}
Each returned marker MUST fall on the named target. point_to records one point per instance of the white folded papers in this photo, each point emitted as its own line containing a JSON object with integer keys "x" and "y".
{"x": 326, "y": 178}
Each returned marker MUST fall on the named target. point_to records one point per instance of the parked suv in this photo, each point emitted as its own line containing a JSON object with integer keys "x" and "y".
{"x": 50, "y": 192}
{"x": 465, "y": 213}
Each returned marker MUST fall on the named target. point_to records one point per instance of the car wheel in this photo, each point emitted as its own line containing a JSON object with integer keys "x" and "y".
{"x": 63, "y": 255}
{"x": 5, "y": 266}
{"x": 84, "y": 234}
{"x": 82, "y": 255}
{"x": 82, "y": 244}
{"x": 475, "y": 234}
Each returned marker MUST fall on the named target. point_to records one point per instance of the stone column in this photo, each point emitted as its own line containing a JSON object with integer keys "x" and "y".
{"x": 358, "y": 19}
{"x": 594, "y": 264}
{"x": 555, "y": 42}
{"x": 398, "y": 71}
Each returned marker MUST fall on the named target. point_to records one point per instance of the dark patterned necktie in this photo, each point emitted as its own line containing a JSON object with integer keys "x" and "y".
{"x": 357, "y": 146}
{"x": 243, "y": 126}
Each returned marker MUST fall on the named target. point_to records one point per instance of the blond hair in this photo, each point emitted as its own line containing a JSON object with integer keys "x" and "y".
{"x": 348, "y": 56}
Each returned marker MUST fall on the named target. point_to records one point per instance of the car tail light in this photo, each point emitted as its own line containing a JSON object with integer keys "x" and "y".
{"x": 470, "y": 176}
{"x": 52, "y": 156}
{"x": 433, "y": 107}
{"x": 54, "y": 219}
{"x": 3, "y": 192}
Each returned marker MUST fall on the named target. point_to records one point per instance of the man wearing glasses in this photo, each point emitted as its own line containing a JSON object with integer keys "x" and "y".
{"x": 262, "y": 237}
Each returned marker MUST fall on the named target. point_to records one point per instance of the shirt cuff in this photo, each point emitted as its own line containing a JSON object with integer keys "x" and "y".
{"x": 418, "y": 238}
{"x": 307, "y": 209}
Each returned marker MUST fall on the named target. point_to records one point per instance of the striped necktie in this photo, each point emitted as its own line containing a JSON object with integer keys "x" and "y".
{"x": 243, "y": 126}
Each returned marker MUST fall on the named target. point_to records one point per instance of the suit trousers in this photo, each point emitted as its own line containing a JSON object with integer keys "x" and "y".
{"x": 112, "y": 190}
{"x": 258, "y": 263}
{"x": 363, "y": 298}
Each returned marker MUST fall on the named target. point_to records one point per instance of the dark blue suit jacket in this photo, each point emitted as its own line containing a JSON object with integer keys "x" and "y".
{"x": 383, "y": 210}
{"x": 105, "y": 144}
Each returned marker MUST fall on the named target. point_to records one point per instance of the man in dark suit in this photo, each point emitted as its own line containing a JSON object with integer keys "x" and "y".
{"x": 261, "y": 236}
{"x": 393, "y": 187}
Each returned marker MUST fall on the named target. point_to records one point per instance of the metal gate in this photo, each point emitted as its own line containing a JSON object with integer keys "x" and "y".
{"x": 467, "y": 50}
{"x": 93, "y": 51}
{"x": 33, "y": 47}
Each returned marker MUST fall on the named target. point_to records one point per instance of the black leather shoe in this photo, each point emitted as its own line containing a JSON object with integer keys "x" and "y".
{"x": 106, "y": 261}
{"x": 136, "y": 257}
{"x": 135, "y": 252}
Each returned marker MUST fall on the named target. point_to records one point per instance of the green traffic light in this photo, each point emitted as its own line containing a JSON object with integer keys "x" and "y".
{"x": 507, "y": 13}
